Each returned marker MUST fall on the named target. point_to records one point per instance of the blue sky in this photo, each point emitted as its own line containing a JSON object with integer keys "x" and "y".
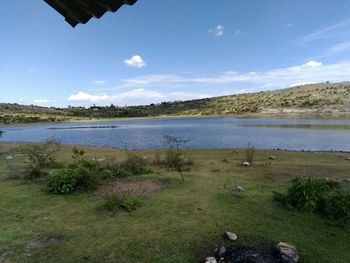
{"x": 161, "y": 50}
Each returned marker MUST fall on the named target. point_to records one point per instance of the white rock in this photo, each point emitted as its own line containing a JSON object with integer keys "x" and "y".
{"x": 231, "y": 236}
{"x": 240, "y": 189}
{"x": 246, "y": 164}
{"x": 210, "y": 260}
{"x": 272, "y": 157}
{"x": 9, "y": 157}
{"x": 288, "y": 252}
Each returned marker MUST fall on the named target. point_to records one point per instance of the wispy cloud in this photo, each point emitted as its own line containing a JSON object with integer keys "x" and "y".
{"x": 326, "y": 32}
{"x": 42, "y": 101}
{"x": 135, "y": 62}
{"x": 99, "y": 82}
{"x": 217, "y": 31}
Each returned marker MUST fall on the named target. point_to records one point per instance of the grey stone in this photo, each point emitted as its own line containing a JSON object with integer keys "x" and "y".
{"x": 272, "y": 157}
{"x": 239, "y": 189}
{"x": 45, "y": 241}
{"x": 220, "y": 251}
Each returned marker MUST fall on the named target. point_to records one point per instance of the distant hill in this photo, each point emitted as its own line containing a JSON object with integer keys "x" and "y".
{"x": 311, "y": 99}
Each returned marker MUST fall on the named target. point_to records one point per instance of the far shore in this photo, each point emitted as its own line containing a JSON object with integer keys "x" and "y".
{"x": 290, "y": 115}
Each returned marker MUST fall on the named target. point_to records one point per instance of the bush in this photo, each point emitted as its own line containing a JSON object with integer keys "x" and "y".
{"x": 114, "y": 202}
{"x": 67, "y": 180}
{"x": 39, "y": 157}
{"x": 135, "y": 165}
{"x": 122, "y": 172}
{"x": 317, "y": 196}
{"x": 62, "y": 182}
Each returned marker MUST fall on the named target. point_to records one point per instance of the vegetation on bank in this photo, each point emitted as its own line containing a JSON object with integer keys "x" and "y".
{"x": 322, "y": 98}
{"x": 182, "y": 222}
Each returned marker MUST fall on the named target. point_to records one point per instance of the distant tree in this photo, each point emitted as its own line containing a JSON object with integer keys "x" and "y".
{"x": 1, "y": 133}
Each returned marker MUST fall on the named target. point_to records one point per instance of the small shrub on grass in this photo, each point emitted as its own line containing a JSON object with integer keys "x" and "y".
{"x": 114, "y": 202}
{"x": 175, "y": 156}
{"x": 39, "y": 157}
{"x": 317, "y": 196}
{"x": 68, "y": 180}
{"x": 135, "y": 164}
{"x": 122, "y": 172}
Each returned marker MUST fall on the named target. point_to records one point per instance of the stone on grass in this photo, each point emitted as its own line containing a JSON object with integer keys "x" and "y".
{"x": 348, "y": 158}
{"x": 210, "y": 260}
{"x": 272, "y": 157}
{"x": 9, "y": 157}
{"x": 239, "y": 189}
{"x": 246, "y": 164}
{"x": 230, "y": 235}
{"x": 289, "y": 253}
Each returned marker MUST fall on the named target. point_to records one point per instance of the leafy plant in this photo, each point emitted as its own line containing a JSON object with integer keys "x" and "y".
{"x": 115, "y": 201}
{"x": 62, "y": 181}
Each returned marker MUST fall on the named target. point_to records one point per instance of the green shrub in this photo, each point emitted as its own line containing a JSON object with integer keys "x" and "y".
{"x": 337, "y": 206}
{"x": 317, "y": 196}
{"x": 114, "y": 202}
{"x": 39, "y": 157}
{"x": 67, "y": 180}
{"x": 122, "y": 172}
{"x": 62, "y": 182}
{"x": 106, "y": 173}
{"x": 135, "y": 164}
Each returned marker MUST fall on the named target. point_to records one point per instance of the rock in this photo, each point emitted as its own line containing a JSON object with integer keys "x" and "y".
{"x": 220, "y": 251}
{"x": 348, "y": 158}
{"x": 231, "y": 236}
{"x": 272, "y": 157}
{"x": 246, "y": 164}
{"x": 347, "y": 180}
{"x": 9, "y": 157}
{"x": 210, "y": 260}
{"x": 45, "y": 241}
{"x": 239, "y": 189}
{"x": 289, "y": 253}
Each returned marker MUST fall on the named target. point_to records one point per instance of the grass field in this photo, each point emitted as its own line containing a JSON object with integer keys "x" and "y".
{"x": 179, "y": 223}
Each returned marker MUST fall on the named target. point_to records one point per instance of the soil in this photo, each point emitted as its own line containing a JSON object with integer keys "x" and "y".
{"x": 139, "y": 188}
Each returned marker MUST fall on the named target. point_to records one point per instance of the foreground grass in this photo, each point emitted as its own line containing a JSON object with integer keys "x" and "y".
{"x": 180, "y": 223}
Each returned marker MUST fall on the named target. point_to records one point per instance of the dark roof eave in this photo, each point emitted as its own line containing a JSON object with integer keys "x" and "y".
{"x": 81, "y": 11}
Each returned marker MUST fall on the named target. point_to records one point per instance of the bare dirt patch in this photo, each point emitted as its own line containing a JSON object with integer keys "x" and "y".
{"x": 135, "y": 188}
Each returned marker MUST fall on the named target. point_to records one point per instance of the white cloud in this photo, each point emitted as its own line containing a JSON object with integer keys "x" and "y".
{"x": 135, "y": 62}
{"x": 313, "y": 63}
{"x": 217, "y": 31}
{"x": 309, "y": 72}
{"x": 41, "y": 101}
{"x": 100, "y": 82}
{"x": 139, "y": 93}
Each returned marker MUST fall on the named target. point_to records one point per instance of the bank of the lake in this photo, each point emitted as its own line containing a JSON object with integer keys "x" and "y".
{"x": 180, "y": 222}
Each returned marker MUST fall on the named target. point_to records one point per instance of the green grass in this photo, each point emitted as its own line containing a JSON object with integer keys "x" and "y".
{"x": 180, "y": 223}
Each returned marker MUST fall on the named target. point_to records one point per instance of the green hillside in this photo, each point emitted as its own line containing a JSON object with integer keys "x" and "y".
{"x": 311, "y": 99}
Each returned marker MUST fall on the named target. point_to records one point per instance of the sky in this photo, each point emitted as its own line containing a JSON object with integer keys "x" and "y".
{"x": 158, "y": 50}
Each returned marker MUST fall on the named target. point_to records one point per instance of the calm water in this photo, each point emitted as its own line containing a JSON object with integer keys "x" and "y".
{"x": 220, "y": 132}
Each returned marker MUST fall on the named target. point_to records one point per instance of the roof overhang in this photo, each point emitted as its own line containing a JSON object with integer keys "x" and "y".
{"x": 81, "y": 11}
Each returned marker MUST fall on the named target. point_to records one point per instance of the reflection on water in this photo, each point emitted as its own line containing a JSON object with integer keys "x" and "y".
{"x": 219, "y": 132}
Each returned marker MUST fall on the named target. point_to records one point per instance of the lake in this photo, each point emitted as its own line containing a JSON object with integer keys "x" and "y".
{"x": 211, "y": 132}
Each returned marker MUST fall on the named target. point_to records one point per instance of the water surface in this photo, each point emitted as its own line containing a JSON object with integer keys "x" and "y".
{"x": 218, "y": 132}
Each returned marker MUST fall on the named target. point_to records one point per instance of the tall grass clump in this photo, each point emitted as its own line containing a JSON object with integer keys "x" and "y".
{"x": 250, "y": 154}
